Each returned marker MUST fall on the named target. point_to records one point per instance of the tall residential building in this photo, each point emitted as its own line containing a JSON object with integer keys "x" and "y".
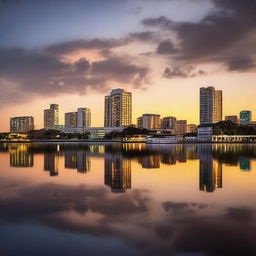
{"x": 118, "y": 108}
{"x": 71, "y": 119}
{"x": 210, "y": 105}
{"x": 245, "y": 117}
{"x": 168, "y": 122}
{"x": 22, "y": 124}
{"x": 149, "y": 121}
{"x": 233, "y": 119}
{"x": 51, "y": 117}
{"x": 181, "y": 127}
{"x": 83, "y": 117}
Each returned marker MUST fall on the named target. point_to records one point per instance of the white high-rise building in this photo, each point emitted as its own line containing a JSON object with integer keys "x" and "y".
{"x": 71, "y": 119}
{"x": 83, "y": 117}
{"x": 51, "y": 117}
{"x": 118, "y": 108}
{"x": 210, "y": 105}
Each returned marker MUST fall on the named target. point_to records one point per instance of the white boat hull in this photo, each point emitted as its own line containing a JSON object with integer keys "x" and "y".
{"x": 171, "y": 140}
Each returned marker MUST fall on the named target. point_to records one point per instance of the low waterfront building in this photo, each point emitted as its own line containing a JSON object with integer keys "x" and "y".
{"x": 17, "y": 137}
{"x": 135, "y": 138}
{"x": 94, "y": 132}
{"x": 149, "y": 121}
{"x": 181, "y": 127}
{"x": 233, "y": 138}
{"x": 191, "y": 128}
{"x": 168, "y": 122}
{"x": 204, "y": 133}
{"x": 233, "y": 119}
{"x": 252, "y": 124}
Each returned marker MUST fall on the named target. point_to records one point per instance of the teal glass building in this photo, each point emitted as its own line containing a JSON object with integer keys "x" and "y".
{"x": 245, "y": 117}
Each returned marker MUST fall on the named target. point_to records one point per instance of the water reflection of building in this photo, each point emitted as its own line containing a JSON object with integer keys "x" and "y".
{"x": 83, "y": 162}
{"x": 20, "y": 156}
{"x": 245, "y": 164}
{"x": 77, "y": 160}
{"x": 181, "y": 154}
{"x": 169, "y": 159}
{"x": 171, "y": 154}
{"x": 150, "y": 162}
{"x": 210, "y": 171}
{"x": 51, "y": 163}
{"x": 97, "y": 149}
{"x": 118, "y": 173}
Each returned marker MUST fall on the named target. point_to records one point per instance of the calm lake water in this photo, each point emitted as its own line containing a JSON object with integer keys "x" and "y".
{"x": 127, "y": 199}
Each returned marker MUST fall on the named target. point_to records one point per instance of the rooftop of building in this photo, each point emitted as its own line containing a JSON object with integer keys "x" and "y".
{"x": 117, "y": 91}
{"x": 148, "y": 114}
{"x": 21, "y": 117}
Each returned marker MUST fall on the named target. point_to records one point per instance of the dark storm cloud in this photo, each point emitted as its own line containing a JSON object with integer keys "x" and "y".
{"x": 185, "y": 71}
{"x": 216, "y": 36}
{"x": 144, "y": 36}
{"x": 177, "y": 71}
{"x": 241, "y": 63}
{"x": 82, "y": 65}
{"x": 45, "y": 73}
{"x": 161, "y": 21}
{"x": 69, "y": 47}
{"x": 117, "y": 69}
{"x": 166, "y": 47}
{"x": 31, "y": 73}
{"x": 100, "y": 43}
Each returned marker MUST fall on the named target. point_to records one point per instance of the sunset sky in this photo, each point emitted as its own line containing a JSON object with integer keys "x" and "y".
{"x": 73, "y": 53}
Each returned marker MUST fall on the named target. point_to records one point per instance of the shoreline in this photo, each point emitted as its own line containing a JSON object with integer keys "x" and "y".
{"x": 124, "y": 142}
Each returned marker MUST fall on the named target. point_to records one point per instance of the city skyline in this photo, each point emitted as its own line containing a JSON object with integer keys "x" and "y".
{"x": 140, "y": 46}
{"x": 118, "y": 113}
{"x": 128, "y": 127}
{"x": 61, "y": 114}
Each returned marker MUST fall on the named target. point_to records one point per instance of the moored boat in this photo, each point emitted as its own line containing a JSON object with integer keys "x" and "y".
{"x": 161, "y": 140}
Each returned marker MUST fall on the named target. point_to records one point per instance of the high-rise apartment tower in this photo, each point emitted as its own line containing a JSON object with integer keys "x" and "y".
{"x": 51, "y": 117}
{"x": 210, "y": 105}
{"x": 118, "y": 108}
